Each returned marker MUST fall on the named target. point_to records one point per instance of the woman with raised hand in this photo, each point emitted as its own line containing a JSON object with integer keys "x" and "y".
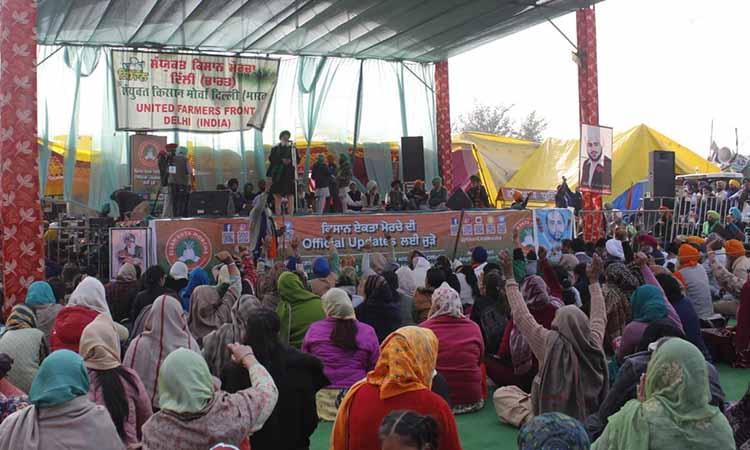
{"x": 195, "y": 416}
{"x": 298, "y": 377}
{"x": 672, "y": 410}
{"x": 61, "y": 415}
{"x": 401, "y": 380}
{"x": 215, "y": 349}
{"x": 347, "y": 348}
{"x": 572, "y": 376}
{"x": 117, "y": 388}
{"x": 165, "y": 331}
{"x": 211, "y": 306}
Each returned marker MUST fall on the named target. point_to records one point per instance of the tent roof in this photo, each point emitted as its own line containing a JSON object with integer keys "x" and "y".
{"x": 416, "y": 30}
{"x": 555, "y": 158}
{"x": 497, "y": 157}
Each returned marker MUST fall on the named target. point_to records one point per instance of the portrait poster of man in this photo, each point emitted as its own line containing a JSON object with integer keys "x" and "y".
{"x": 595, "y": 160}
{"x": 127, "y": 245}
{"x": 552, "y": 227}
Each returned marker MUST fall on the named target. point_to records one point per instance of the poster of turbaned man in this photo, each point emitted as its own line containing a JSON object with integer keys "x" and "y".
{"x": 595, "y": 169}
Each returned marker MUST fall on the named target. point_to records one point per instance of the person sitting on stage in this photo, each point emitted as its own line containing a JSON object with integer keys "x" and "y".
{"x": 237, "y": 198}
{"x": 281, "y": 171}
{"x": 417, "y": 196}
{"x": 478, "y": 194}
{"x": 396, "y": 200}
{"x": 372, "y": 196}
{"x": 438, "y": 195}
{"x": 354, "y": 198}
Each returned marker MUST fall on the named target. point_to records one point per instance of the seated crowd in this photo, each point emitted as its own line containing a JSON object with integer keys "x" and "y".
{"x": 610, "y": 347}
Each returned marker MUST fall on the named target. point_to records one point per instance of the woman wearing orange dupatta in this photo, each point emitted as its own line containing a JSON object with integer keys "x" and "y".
{"x": 401, "y": 380}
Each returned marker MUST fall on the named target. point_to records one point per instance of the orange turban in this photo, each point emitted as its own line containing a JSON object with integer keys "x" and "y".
{"x": 689, "y": 255}
{"x": 517, "y": 196}
{"x": 734, "y": 248}
{"x": 695, "y": 240}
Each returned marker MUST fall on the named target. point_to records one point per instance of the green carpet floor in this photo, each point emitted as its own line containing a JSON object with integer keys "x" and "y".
{"x": 482, "y": 430}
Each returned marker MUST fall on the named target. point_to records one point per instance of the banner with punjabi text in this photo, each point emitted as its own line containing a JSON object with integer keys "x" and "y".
{"x": 191, "y": 92}
{"x": 433, "y": 233}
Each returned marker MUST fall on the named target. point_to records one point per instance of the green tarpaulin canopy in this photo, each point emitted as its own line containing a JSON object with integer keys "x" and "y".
{"x": 415, "y": 30}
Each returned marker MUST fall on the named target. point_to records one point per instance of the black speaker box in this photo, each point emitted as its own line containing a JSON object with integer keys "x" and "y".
{"x": 459, "y": 200}
{"x": 661, "y": 174}
{"x": 210, "y": 203}
{"x": 412, "y": 158}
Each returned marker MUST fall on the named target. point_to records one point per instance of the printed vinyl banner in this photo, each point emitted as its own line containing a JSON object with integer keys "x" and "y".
{"x": 191, "y": 91}
{"x": 433, "y": 233}
{"x": 195, "y": 241}
{"x": 595, "y": 159}
{"x": 552, "y": 226}
{"x": 144, "y": 162}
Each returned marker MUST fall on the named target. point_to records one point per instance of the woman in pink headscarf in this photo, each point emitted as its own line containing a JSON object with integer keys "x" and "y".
{"x": 460, "y": 350}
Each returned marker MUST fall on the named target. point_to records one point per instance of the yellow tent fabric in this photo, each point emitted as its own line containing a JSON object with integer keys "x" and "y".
{"x": 554, "y": 158}
{"x": 498, "y": 157}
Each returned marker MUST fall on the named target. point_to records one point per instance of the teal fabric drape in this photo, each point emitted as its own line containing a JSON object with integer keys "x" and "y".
{"x": 259, "y": 155}
{"x": 378, "y": 164}
{"x": 83, "y": 62}
{"x": 368, "y": 103}
{"x": 108, "y": 173}
{"x": 315, "y": 77}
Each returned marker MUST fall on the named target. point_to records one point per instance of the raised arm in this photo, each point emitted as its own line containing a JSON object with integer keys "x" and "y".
{"x": 535, "y": 334}
{"x": 650, "y": 278}
{"x": 256, "y": 403}
{"x": 598, "y": 316}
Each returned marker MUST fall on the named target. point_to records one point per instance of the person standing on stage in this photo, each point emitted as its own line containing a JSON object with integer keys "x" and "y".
{"x": 175, "y": 167}
{"x": 237, "y": 198}
{"x": 281, "y": 171}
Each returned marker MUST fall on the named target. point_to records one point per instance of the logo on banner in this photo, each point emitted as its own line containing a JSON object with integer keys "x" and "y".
{"x": 525, "y": 228}
{"x": 490, "y": 226}
{"x": 454, "y": 226}
{"x": 189, "y": 245}
{"x": 148, "y": 155}
{"x": 227, "y": 235}
{"x": 478, "y": 226}
{"x": 243, "y": 235}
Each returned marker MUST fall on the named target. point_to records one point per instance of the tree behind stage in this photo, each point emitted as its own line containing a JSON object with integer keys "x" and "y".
{"x": 496, "y": 119}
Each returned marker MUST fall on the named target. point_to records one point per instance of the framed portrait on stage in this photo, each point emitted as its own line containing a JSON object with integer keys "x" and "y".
{"x": 128, "y": 245}
{"x": 595, "y": 159}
